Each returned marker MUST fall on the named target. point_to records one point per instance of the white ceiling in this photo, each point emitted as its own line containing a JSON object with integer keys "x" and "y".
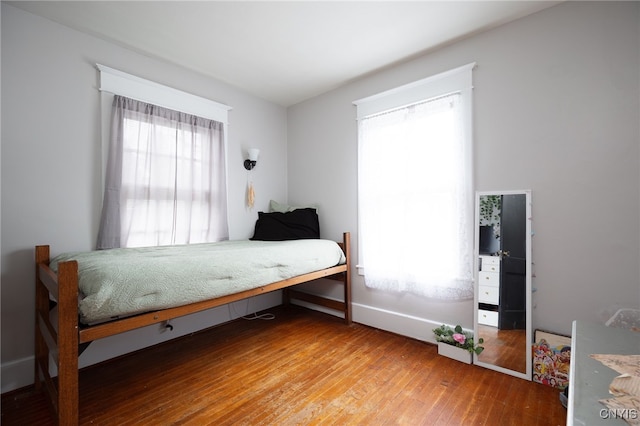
{"x": 284, "y": 52}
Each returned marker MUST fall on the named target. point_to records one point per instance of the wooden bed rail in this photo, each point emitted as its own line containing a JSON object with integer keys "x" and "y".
{"x": 60, "y": 342}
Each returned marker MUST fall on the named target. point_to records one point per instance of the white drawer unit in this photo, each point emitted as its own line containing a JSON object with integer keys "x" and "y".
{"x": 489, "y": 290}
{"x": 489, "y": 278}
{"x": 495, "y": 260}
{"x": 488, "y": 294}
{"x": 489, "y": 264}
{"x": 488, "y": 317}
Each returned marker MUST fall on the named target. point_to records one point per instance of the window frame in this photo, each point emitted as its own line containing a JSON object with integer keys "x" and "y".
{"x": 455, "y": 80}
{"x": 115, "y": 82}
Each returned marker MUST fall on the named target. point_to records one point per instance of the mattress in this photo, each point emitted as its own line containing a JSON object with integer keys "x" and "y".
{"x": 121, "y": 282}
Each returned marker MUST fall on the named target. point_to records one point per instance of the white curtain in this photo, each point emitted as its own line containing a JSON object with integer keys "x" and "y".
{"x": 416, "y": 200}
{"x": 166, "y": 178}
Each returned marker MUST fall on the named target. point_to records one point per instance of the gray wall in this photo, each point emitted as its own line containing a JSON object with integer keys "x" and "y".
{"x": 556, "y": 110}
{"x": 52, "y": 165}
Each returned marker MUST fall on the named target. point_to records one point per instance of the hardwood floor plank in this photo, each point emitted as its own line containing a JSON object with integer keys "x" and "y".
{"x": 304, "y": 367}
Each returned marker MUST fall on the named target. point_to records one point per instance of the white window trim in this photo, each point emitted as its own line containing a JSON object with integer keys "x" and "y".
{"x": 455, "y": 80}
{"x": 131, "y": 86}
{"x": 441, "y": 84}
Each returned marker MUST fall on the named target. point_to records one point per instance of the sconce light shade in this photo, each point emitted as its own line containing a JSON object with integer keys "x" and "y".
{"x": 253, "y": 154}
{"x": 250, "y": 163}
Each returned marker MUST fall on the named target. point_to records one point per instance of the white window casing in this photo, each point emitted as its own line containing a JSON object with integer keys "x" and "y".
{"x": 455, "y": 80}
{"x": 131, "y": 86}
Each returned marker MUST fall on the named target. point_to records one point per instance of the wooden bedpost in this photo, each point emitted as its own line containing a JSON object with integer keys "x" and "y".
{"x": 346, "y": 238}
{"x": 286, "y": 297}
{"x": 68, "y": 383}
{"x": 61, "y": 342}
{"x": 42, "y": 310}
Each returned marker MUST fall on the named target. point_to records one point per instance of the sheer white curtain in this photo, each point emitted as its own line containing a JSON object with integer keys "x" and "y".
{"x": 166, "y": 178}
{"x": 416, "y": 200}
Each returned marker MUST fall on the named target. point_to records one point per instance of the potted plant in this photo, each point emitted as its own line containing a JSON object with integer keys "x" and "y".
{"x": 456, "y": 343}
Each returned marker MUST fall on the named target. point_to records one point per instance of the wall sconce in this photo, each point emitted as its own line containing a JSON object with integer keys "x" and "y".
{"x": 250, "y": 163}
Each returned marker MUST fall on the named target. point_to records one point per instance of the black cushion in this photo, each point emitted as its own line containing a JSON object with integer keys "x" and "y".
{"x": 298, "y": 224}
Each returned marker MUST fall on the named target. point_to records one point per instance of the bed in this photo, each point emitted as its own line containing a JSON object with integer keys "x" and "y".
{"x": 68, "y": 279}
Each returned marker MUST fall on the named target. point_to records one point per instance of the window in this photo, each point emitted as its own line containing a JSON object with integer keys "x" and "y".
{"x": 165, "y": 178}
{"x": 415, "y": 188}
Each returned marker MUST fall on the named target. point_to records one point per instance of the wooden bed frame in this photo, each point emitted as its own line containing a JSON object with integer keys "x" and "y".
{"x": 61, "y": 342}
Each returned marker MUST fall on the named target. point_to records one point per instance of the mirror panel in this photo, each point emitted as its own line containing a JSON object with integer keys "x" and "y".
{"x": 502, "y": 301}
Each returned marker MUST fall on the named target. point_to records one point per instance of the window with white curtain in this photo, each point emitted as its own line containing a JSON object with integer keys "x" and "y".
{"x": 415, "y": 188}
{"x": 165, "y": 178}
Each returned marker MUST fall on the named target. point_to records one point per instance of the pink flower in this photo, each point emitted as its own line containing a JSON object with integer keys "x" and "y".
{"x": 460, "y": 338}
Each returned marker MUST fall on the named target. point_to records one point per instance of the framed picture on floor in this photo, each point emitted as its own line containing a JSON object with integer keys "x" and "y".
{"x": 551, "y": 359}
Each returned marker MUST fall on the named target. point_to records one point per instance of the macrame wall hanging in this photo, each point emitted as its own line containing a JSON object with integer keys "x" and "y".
{"x": 251, "y": 194}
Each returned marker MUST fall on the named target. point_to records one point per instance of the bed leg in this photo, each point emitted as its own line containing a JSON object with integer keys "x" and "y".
{"x": 68, "y": 383}
{"x": 41, "y": 354}
{"x": 346, "y": 241}
{"x": 286, "y": 297}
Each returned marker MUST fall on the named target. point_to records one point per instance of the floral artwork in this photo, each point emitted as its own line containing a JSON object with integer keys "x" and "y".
{"x": 551, "y": 364}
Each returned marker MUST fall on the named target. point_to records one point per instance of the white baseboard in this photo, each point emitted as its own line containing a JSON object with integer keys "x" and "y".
{"x": 395, "y": 322}
{"x": 17, "y": 374}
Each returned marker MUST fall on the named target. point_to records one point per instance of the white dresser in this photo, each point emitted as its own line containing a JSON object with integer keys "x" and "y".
{"x": 489, "y": 290}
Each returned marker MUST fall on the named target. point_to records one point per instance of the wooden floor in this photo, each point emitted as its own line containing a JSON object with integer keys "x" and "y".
{"x": 504, "y": 348}
{"x": 302, "y": 368}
